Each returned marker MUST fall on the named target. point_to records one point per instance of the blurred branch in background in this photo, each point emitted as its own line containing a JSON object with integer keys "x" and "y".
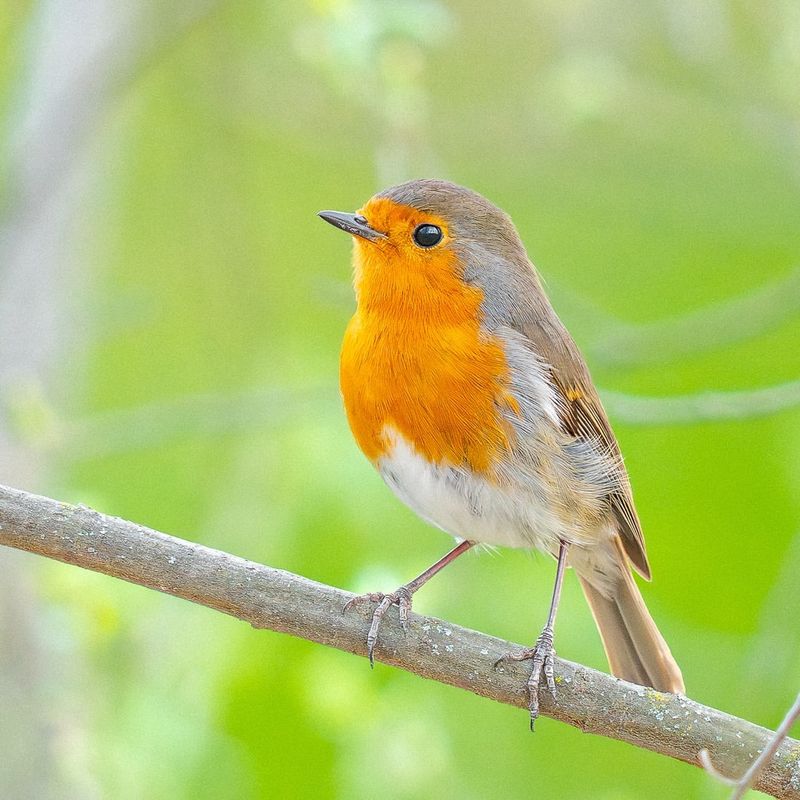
{"x": 703, "y": 406}
{"x": 208, "y": 415}
{"x": 78, "y": 63}
{"x": 725, "y": 323}
{"x": 76, "y": 60}
{"x": 280, "y": 601}
{"x": 56, "y": 102}
{"x": 200, "y": 415}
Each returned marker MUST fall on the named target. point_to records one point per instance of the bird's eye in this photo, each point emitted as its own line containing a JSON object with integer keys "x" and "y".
{"x": 428, "y": 235}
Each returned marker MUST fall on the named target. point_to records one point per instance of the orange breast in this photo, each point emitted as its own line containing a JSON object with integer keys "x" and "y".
{"x": 414, "y": 359}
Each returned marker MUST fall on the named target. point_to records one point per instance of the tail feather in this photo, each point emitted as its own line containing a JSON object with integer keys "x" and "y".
{"x": 635, "y": 648}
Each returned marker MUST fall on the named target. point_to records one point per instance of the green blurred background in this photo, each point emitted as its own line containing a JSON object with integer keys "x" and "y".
{"x": 170, "y": 316}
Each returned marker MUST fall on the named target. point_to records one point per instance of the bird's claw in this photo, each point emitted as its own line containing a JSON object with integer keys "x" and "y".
{"x": 542, "y": 654}
{"x": 400, "y": 598}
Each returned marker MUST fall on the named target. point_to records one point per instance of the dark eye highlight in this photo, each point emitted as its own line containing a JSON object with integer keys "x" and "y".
{"x": 428, "y": 235}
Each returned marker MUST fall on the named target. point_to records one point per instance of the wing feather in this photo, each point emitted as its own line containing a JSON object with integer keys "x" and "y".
{"x": 582, "y": 415}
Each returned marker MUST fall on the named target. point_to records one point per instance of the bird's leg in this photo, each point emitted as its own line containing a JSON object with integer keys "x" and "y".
{"x": 542, "y": 652}
{"x": 401, "y": 597}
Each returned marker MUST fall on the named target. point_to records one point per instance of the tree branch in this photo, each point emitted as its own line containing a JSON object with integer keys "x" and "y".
{"x": 280, "y": 601}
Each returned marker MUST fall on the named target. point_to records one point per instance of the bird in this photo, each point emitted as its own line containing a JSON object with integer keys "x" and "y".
{"x": 466, "y": 392}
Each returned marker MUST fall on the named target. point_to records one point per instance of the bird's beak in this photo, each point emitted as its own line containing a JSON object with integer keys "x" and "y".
{"x": 352, "y": 223}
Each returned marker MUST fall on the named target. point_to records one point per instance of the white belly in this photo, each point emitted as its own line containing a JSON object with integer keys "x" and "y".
{"x": 469, "y": 506}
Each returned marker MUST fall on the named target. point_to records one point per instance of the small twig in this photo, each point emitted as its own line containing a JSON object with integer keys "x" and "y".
{"x": 705, "y": 762}
{"x": 746, "y": 781}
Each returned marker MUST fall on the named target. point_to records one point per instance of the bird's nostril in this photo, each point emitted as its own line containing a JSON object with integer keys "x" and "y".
{"x": 360, "y": 220}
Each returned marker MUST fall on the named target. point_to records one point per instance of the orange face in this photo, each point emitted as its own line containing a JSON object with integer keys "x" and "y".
{"x": 396, "y": 271}
{"x": 415, "y": 359}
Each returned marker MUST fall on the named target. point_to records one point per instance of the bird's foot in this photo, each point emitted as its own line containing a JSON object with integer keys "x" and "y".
{"x": 541, "y": 654}
{"x": 400, "y": 598}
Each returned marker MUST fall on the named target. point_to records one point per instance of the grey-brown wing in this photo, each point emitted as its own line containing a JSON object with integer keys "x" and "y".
{"x": 582, "y": 415}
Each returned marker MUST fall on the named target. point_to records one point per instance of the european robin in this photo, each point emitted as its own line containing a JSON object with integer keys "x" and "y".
{"x": 468, "y": 395}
